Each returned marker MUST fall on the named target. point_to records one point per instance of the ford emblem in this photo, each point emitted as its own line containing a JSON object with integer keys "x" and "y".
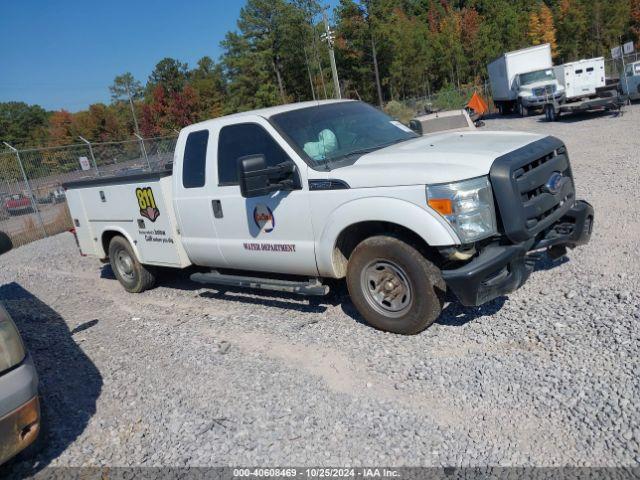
{"x": 555, "y": 183}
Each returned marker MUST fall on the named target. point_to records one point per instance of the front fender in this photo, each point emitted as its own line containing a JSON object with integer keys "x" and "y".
{"x": 422, "y": 221}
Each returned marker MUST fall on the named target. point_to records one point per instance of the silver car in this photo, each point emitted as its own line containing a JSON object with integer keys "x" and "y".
{"x": 19, "y": 403}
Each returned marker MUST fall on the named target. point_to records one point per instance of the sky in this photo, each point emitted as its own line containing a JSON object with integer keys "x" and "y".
{"x": 66, "y": 53}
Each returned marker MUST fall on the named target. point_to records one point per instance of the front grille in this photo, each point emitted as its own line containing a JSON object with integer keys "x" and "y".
{"x": 526, "y": 204}
{"x": 546, "y": 90}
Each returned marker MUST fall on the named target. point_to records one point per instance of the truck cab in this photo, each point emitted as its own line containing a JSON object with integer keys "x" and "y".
{"x": 536, "y": 88}
{"x": 630, "y": 81}
{"x": 339, "y": 190}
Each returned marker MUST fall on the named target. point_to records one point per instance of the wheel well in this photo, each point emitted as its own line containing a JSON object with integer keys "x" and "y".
{"x": 351, "y": 236}
{"x": 106, "y": 240}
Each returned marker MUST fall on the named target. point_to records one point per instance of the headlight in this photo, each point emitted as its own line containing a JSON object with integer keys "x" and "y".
{"x": 11, "y": 349}
{"x": 467, "y": 206}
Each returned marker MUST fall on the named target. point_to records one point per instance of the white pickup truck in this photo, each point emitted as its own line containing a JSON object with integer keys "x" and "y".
{"x": 286, "y": 197}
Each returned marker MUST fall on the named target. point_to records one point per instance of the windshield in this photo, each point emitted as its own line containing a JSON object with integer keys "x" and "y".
{"x": 537, "y": 76}
{"x": 339, "y": 131}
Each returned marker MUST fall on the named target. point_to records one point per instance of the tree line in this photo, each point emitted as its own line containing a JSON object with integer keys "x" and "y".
{"x": 385, "y": 50}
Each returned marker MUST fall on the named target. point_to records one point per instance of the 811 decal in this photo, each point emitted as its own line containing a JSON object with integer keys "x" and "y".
{"x": 147, "y": 203}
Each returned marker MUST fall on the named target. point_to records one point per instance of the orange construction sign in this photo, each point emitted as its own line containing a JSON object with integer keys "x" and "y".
{"x": 478, "y": 105}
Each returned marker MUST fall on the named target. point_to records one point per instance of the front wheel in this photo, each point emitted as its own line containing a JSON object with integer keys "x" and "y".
{"x": 522, "y": 110}
{"x": 134, "y": 276}
{"x": 393, "y": 286}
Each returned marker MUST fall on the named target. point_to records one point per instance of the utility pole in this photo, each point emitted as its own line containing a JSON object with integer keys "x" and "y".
{"x": 375, "y": 68}
{"x": 306, "y": 61}
{"x": 329, "y": 37}
{"x": 374, "y": 53}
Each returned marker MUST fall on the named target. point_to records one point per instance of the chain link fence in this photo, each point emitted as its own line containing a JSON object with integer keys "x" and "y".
{"x": 446, "y": 99}
{"x": 32, "y": 200}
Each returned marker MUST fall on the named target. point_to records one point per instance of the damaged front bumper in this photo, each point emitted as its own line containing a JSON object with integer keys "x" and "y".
{"x": 501, "y": 269}
{"x": 19, "y": 409}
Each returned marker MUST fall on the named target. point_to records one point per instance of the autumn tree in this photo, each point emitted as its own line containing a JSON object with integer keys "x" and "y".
{"x": 61, "y": 128}
{"x": 168, "y": 111}
{"x": 542, "y": 29}
{"x": 634, "y": 27}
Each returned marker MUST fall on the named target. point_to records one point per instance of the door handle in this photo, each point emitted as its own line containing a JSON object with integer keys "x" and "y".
{"x": 216, "y": 205}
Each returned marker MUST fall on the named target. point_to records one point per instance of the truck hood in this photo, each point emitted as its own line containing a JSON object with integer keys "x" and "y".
{"x": 437, "y": 158}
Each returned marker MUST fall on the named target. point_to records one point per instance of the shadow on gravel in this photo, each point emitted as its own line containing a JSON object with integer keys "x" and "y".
{"x": 278, "y": 299}
{"x": 107, "y": 273}
{"x": 545, "y": 262}
{"x": 579, "y": 117}
{"x": 457, "y": 315}
{"x": 70, "y": 383}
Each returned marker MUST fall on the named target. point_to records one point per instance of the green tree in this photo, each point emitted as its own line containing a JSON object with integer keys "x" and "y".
{"x": 126, "y": 87}
{"x": 208, "y": 84}
{"x": 254, "y": 57}
{"x": 170, "y": 74}
{"x": 23, "y": 124}
{"x": 571, "y": 29}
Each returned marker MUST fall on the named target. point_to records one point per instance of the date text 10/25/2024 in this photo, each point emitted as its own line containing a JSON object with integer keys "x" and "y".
{"x": 316, "y": 472}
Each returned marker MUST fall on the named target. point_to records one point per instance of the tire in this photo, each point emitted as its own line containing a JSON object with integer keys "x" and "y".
{"x": 5, "y": 243}
{"x": 134, "y": 276}
{"x": 502, "y": 110}
{"x": 550, "y": 113}
{"x": 522, "y": 110}
{"x": 418, "y": 288}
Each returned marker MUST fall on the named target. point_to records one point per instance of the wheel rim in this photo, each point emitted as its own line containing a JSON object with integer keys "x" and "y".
{"x": 124, "y": 265}
{"x": 386, "y": 288}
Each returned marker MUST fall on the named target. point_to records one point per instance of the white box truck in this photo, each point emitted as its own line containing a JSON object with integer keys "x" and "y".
{"x": 284, "y": 198}
{"x": 523, "y": 80}
{"x": 581, "y": 78}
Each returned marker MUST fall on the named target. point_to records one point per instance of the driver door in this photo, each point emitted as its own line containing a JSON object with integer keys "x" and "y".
{"x": 273, "y": 232}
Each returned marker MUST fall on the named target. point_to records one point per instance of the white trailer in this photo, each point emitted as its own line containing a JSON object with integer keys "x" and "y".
{"x": 538, "y": 81}
{"x": 581, "y": 78}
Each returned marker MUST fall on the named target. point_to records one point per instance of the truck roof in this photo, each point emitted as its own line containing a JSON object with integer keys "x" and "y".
{"x": 270, "y": 111}
{"x": 543, "y": 46}
{"x": 583, "y": 60}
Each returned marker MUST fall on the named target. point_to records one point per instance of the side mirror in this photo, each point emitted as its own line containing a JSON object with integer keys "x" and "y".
{"x": 257, "y": 179}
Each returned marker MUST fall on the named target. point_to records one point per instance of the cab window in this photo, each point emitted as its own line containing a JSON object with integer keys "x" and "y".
{"x": 244, "y": 139}
{"x": 195, "y": 159}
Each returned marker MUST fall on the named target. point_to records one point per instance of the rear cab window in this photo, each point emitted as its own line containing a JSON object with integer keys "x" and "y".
{"x": 195, "y": 159}
{"x": 242, "y": 139}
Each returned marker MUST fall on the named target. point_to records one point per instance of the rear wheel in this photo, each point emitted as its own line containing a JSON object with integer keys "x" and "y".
{"x": 134, "y": 276}
{"x": 393, "y": 286}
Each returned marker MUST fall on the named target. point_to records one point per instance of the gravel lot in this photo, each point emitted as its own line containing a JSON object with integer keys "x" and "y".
{"x": 187, "y": 376}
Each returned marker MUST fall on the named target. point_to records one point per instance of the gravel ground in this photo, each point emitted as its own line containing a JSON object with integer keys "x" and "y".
{"x": 187, "y": 376}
